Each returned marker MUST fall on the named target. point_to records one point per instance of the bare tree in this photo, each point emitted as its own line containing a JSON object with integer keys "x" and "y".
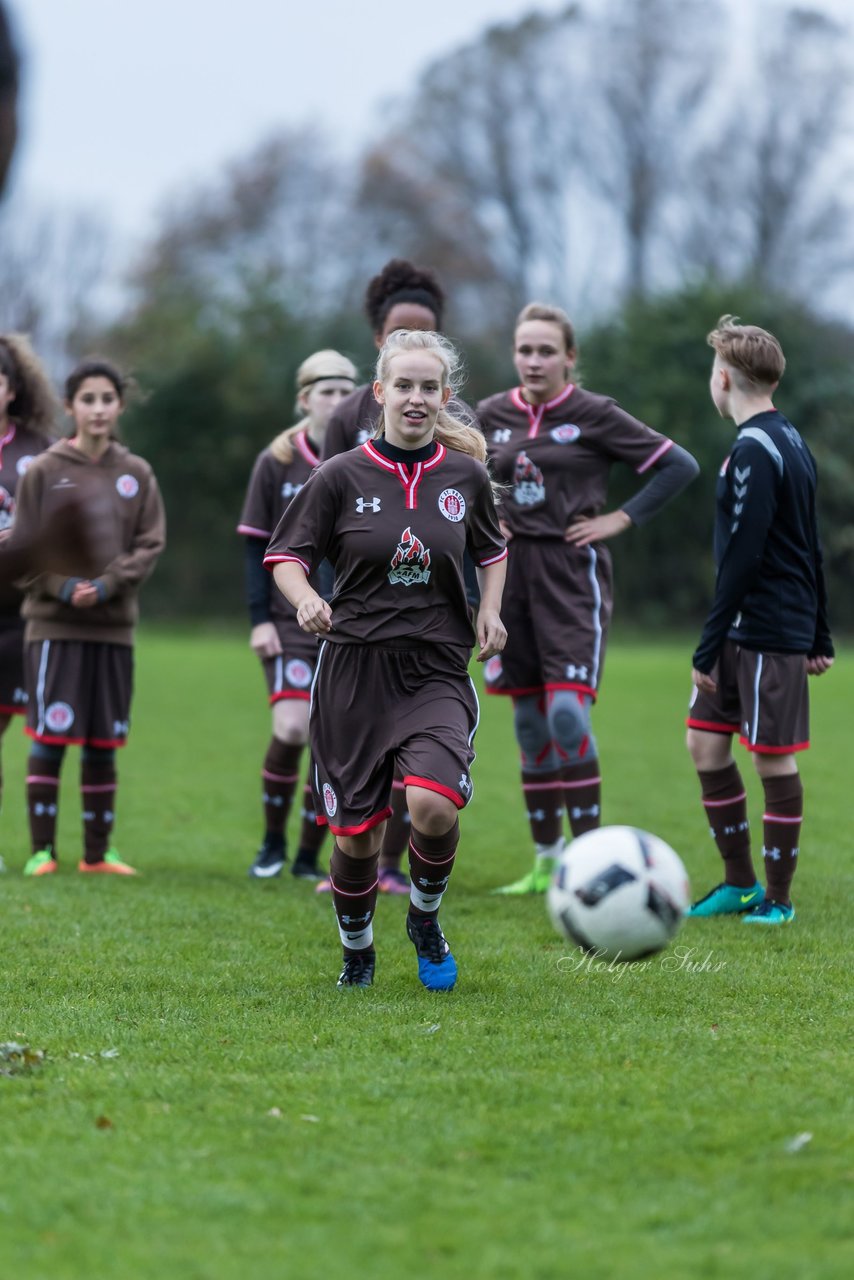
{"x": 52, "y": 269}
{"x": 278, "y": 217}
{"x": 774, "y": 189}
{"x": 651, "y": 66}
{"x": 475, "y": 173}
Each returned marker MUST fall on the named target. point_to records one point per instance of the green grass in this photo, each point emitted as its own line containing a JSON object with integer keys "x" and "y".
{"x": 543, "y": 1120}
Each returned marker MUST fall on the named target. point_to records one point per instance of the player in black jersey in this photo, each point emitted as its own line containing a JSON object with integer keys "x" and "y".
{"x": 392, "y": 689}
{"x": 766, "y": 632}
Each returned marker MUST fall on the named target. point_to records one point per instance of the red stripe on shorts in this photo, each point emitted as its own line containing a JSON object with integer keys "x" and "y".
{"x": 429, "y": 785}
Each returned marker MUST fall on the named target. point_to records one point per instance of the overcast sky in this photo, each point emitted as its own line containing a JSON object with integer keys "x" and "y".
{"x": 126, "y": 100}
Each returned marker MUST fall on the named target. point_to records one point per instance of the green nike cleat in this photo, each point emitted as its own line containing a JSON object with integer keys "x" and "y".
{"x": 770, "y": 912}
{"x": 537, "y": 880}
{"x": 728, "y": 900}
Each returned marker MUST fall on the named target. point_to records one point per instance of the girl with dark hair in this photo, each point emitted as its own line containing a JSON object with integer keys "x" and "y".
{"x": 553, "y": 445}
{"x": 79, "y": 627}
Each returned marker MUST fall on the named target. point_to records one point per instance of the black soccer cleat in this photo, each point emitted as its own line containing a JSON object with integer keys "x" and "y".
{"x": 358, "y": 969}
{"x": 269, "y": 861}
{"x": 305, "y": 866}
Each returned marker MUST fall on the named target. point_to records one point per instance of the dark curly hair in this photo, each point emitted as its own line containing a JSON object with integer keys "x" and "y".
{"x": 402, "y": 281}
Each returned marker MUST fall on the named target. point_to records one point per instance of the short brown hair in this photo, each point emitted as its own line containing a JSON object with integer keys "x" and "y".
{"x": 752, "y": 352}
{"x": 552, "y": 315}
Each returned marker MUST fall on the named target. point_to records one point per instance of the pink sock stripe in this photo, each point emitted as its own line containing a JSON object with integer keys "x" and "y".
{"x": 774, "y": 817}
{"x": 434, "y": 862}
{"x": 107, "y": 786}
{"x": 716, "y": 804}
{"x": 45, "y": 781}
{"x": 583, "y": 782}
{"x": 549, "y": 786}
{"x": 361, "y": 892}
{"x": 279, "y": 777}
{"x": 398, "y": 786}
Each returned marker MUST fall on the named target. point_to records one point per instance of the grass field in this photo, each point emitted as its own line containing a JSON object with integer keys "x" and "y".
{"x": 210, "y": 1106}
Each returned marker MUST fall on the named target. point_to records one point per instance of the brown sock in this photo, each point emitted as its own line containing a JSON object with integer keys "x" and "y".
{"x": 396, "y": 838}
{"x": 354, "y": 896}
{"x": 431, "y": 861}
{"x": 98, "y": 797}
{"x": 784, "y": 808}
{"x": 582, "y": 791}
{"x": 725, "y": 802}
{"x": 42, "y": 801}
{"x": 279, "y": 775}
{"x": 543, "y": 794}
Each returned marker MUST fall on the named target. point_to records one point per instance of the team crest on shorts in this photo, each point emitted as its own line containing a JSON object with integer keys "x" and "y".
{"x": 529, "y": 488}
{"x": 565, "y": 433}
{"x": 59, "y": 717}
{"x": 493, "y": 670}
{"x": 330, "y": 800}
{"x": 410, "y": 563}
{"x": 23, "y": 463}
{"x": 127, "y": 486}
{"x": 452, "y": 505}
{"x": 298, "y": 673}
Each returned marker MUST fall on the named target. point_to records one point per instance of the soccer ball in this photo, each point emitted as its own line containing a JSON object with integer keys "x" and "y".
{"x": 619, "y": 893}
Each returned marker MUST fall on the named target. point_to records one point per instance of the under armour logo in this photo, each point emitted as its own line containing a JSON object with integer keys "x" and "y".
{"x": 362, "y": 505}
{"x": 464, "y": 784}
{"x": 365, "y": 919}
{"x": 576, "y": 673}
{"x": 592, "y": 812}
{"x": 501, "y": 435}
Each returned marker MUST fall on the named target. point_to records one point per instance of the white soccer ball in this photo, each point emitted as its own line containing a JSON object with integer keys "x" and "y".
{"x": 619, "y": 893}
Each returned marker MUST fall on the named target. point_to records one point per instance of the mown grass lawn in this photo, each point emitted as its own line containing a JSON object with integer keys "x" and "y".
{"x": 211, "y": 1107}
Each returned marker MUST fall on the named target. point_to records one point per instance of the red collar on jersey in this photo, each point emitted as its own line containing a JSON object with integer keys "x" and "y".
{"x": 536, "y": 412}
{"x": 409, "y": 477}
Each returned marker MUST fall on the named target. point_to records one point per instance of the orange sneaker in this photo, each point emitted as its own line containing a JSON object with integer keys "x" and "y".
{"x": 42, "y": 863}
{"x": 111, "y": 865}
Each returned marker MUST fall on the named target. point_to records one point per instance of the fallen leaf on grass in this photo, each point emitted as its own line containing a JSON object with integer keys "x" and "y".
{"x": 431, "y": 1029}
{"x": 109, "y": 1053}
{"x": 796, "y": 1144}
{"x": 103, "y": 1122}
{"x": 275, "y": 1112}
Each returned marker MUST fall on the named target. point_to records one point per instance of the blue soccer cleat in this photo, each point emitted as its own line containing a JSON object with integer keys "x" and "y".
{"x": 770, "y": 912}
{"x": 437, "y": 968}
{"x": 728, "y": 900}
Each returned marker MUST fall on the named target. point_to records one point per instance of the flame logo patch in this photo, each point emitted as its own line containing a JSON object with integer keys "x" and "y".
{"x": 410, "y": 563}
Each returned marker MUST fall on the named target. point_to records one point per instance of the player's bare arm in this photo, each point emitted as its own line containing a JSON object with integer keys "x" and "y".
{"x": 587, "y": 529}
{"x": 491, "y": 632}
{"x": 313, "y": 612}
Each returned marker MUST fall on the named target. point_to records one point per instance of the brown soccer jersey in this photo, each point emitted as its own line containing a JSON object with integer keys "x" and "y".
{"x": 272, "y": 487}
{"x": 555, "y": 458}
{"x": 395, "y": 534}
{"x": 118, "y": 498}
